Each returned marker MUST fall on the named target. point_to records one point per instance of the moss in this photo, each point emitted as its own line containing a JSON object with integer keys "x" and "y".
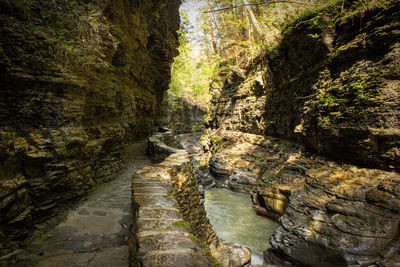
{"x": 207, "y": 250}
{"x": 358, "y": 86}
{"x": 179, "y": 224}
{"x": 194, "y": 238}
{"x": 311, "y": 18}
{"x": 350, "y": 94}
{"x": 218, "y": 142}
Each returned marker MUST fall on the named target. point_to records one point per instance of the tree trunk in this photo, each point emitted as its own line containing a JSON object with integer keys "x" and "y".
{"x": 214, "y": 44}
{"x": 253, "y": 18}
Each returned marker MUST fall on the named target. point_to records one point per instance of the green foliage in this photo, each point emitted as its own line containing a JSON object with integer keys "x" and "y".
{"x": 192, "y": 71}
{"x": 358, "y": 87}
{"x": 314, "y": 36}
{"x": 207, "y": 249}
{"x": 198, "y": 126}
{"x": 34, "y": 98}
{"x": 94, "y": 17}
{"x": 71, "y": 4}
{"x": 324, "y": 122}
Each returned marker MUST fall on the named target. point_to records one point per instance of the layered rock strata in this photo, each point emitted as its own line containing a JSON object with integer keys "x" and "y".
{"x": 78, "y": 80}
{"x": 181, "y": 115}
{"x": 301, "y": 127}
{"x": 332, "y": 84}
{"x": 330, "y": 213}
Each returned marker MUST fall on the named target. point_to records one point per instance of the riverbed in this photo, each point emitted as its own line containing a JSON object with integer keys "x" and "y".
{"x": 234, "y": 220}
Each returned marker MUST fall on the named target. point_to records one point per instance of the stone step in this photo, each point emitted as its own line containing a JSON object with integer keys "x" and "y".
{"x": 150, "y": 189}
{"x": 158, "y": 240}
{"x": 175, "y": 257}
{"x": 146, "y": 180}
{"x": 159, "y": 213}
{"x": 136, "y": 184}
{"x": 153, "y": 200}
{"x": 149, "y": 224}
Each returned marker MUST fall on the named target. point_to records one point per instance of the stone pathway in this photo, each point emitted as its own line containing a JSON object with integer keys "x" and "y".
{"x": 95, "y": 233}
{"x": 162, "y": 235}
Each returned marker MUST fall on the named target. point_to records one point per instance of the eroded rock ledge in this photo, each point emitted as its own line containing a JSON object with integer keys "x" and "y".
{"x": 165, "y": 240}
{"x": 329, "y": 212}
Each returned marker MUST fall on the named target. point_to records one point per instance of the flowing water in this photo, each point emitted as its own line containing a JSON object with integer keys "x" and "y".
{"x": 234, "y": 220}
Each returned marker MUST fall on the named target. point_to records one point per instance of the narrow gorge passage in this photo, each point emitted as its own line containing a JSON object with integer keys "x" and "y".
{"x": 295, "y": 103}
{"x": 95, "y": 232}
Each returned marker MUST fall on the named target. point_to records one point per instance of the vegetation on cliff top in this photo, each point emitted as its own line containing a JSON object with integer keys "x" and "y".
{"x": 231, "y": 39}
{"x": 218, "y": 42}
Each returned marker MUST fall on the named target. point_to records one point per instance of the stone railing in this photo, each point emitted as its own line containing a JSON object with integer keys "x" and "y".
{"x": 163, "y": 194}
{"x": 159, "y": 146}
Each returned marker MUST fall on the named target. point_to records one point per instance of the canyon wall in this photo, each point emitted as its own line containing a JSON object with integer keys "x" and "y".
{"x": 311, "y": 129}
{"x": 331, "y": 84}
{"x": 78, "y": 80}
{"x": 181, "y": 115}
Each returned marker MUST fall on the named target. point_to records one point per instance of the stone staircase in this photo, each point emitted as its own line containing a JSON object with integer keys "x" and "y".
{"x": 166, "y": 205}
{"x": 162, "y": 237}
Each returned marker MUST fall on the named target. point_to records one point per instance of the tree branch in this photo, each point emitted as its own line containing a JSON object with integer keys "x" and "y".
{"x": 256, "y": 4}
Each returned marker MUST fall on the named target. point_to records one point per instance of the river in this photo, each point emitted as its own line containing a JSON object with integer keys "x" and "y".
{"x": 234, "y": 220}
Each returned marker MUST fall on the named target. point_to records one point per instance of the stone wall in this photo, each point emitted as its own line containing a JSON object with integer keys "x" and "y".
{"x": 78, "y": 80}
{"x": 159, "y": 236}
{"x": 183, "y": 185}
{"x": 177, "y": 173}
{"x": 159, "y": 146}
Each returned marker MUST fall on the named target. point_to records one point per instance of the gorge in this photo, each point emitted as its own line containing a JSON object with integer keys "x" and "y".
{"x": 309, "y": 128}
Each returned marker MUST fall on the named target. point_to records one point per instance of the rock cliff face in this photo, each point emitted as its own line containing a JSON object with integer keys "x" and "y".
{"x": 78, "y": 80}
{"x": 181, "y": 115}
{"x": 331, "y": 84}
{"x": 311, "y": 129}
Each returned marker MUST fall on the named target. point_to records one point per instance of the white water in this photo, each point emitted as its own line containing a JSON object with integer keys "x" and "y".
{"x": 234, "y": 220}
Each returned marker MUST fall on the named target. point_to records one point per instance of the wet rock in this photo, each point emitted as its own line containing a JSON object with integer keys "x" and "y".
{"x": 231, "y": 254}
{"x": 190, "y": 142}
{"x": 325, "y": 208}
{"x": 241, "y": 181}
{"x": 271, "y": 202}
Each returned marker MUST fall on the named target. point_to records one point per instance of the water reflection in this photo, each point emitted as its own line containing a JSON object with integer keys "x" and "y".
{"x": 234, "y": 220}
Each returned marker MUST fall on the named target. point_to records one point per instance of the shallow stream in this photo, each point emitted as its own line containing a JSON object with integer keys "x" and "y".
{"x": 234, "y": 220}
